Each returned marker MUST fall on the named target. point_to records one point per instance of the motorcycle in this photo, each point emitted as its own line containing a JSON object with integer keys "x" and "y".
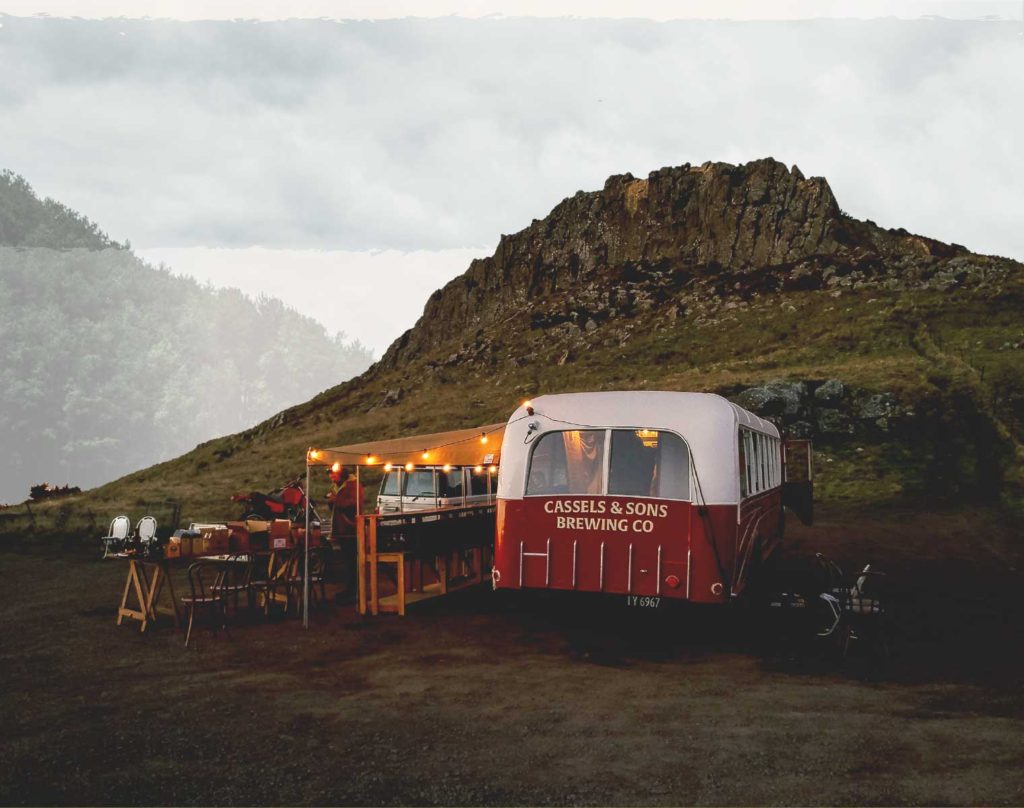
{"x": 287, "y": 502}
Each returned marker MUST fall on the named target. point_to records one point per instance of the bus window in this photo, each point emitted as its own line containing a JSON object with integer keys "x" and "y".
{"x": 449, "y": 483}
{"x": 419, "y": 483}
{"x": 390, "y": 485}
{"x": 477, "y": 482}
{"x": 766, "y": 481}
{"x": 744, "y": 478}
{"x": 748, "y": 440}
{"x": 648, "y": 463}
{"x": 567, "y": 463}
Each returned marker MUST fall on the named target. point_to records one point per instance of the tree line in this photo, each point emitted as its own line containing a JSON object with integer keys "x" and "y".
{"x": 108, "y": 364}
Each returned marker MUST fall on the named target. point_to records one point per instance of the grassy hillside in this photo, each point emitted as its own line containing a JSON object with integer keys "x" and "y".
{"x": 922, "y": 349}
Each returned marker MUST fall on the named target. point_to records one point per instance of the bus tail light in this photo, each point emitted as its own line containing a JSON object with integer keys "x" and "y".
{"x": 672, "y": 581}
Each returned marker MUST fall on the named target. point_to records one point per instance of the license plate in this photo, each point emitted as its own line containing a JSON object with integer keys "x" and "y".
{"x": 643, "y": 601}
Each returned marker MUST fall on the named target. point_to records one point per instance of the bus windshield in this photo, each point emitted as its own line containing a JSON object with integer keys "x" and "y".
{"x": 419, "y": 483}
{"x": 643, "y": 463}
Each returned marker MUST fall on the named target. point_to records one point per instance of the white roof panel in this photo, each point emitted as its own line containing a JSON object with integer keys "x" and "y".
{"x": 707, "y": 422}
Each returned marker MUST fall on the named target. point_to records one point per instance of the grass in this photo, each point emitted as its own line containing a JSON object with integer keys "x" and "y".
{"x": 941, "y": 355}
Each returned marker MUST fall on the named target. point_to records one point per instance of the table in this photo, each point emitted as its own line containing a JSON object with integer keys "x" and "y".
{"x": 146, "y": 579}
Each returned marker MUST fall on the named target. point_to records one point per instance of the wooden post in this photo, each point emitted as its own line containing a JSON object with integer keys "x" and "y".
{"x": 305, "y": 568}
{"x": 361, "y": 562}
{"x": 374, "y": 602}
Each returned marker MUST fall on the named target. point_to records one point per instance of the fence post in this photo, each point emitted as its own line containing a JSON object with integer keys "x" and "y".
{"x": 175, "y": 516}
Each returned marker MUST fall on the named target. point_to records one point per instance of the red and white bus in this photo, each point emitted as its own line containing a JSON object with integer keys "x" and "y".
{"x": 651, "y": 495}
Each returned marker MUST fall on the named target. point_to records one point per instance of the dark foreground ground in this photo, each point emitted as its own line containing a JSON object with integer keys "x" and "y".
{"x": 483, "y": 700}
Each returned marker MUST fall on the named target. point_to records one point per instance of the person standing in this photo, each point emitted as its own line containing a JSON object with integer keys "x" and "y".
{"x": 345, "y": 496}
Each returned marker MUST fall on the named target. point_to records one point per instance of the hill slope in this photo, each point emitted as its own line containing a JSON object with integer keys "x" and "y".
{"x": 901, "y": 355}
{"x": 109, "y": 364}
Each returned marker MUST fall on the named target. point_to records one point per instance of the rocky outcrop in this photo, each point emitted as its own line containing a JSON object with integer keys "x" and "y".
{"x": 685, "y": 239}
{"x": 824, "y": 409}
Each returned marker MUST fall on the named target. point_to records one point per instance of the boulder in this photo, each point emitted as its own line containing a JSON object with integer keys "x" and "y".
{"x": 830, "y": 393}
{"x": 833, "y": 422}
{"x": 775, "y": 399}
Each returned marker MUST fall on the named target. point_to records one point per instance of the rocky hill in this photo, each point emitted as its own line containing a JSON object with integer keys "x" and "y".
{"x": 901, "y": 355}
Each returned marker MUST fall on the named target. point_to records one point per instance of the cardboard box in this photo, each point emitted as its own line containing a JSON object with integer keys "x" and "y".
{"x": 172, "y": 549}
{"x": 182, "y": 545}
{"x": 257, "y": 526}
{"x": 281, "y": 534}
{"x": 213, "y": 541}
{"x": 238, "y": 540}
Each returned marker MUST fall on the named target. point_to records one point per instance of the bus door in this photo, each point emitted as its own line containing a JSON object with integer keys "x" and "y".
{"x": 798, "y": 478}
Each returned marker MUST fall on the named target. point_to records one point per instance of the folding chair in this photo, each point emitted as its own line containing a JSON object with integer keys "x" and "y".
{"x": 117, "y": 536}
{"x": 204, "y": 581}
{"x": 261, "y": 584}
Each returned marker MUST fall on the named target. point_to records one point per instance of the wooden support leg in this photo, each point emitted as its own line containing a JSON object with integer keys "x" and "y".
{"x": 138, "y": 583}
{"x": 152, "y": 590}
{"x": 442, "y": 574}
{"x": 401, "y": 586}
{"x": 478, "y": 558}
{"x": 161, "y": 577}
{"x": 122, "y": 610}
{"x": 374, "y": 601}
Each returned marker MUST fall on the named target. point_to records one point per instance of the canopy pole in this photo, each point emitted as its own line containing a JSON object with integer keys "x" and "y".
{"x": 305, "y": 583}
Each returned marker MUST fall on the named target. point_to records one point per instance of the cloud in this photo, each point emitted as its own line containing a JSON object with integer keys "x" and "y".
{"x": 370, "y": 296}
{"x": 436, "y": 134}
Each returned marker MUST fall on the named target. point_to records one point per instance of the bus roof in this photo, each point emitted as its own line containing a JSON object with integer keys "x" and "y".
{"x": 707, "y": 422}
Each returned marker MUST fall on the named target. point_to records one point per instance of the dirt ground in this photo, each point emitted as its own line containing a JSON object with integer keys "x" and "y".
{"x": 479, "y": 699}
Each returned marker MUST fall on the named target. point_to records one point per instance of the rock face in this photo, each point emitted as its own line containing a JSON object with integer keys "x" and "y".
{"x": 828, "y": 409}
{"x": 717, "y": 232}
{"x": 682, "y": 218}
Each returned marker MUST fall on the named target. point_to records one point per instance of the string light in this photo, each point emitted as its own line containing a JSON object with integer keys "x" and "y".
{"x": 483, "y": 437}
{"x": 336, "y": 467}
{"x": 369, "y": 459}
{"x": 478, "y": 469}
{"x": 494, "y": 469}
{"x": 387, "y": 467}
{"x": 314, "y": 454}
{"x": 446, "y": 467}
{"x": 409, "y": 466}
{"x": 425, "y": 455}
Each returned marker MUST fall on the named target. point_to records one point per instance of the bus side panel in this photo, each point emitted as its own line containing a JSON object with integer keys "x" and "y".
{"x": 593, "y": 544}
{"x": 759, "y": 533}
{"x": 712, "y": 552}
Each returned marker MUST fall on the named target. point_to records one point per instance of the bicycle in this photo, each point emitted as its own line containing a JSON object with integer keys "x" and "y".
{"x": 852, "y": 616}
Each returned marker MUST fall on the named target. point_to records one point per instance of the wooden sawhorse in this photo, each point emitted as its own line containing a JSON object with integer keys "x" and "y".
{"x": 147, "y": 591}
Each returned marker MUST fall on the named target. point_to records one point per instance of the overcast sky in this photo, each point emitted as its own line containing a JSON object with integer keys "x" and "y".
{"x": 371, "y": 159}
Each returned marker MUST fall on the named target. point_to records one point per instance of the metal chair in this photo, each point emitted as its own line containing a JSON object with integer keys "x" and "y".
{"x": 206, "y": 595}
{"x": 145, "y": 535}
{"x": 117, "y": 536}
{"x": 235, "y": 578}
{"x": 318, "y": 574}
